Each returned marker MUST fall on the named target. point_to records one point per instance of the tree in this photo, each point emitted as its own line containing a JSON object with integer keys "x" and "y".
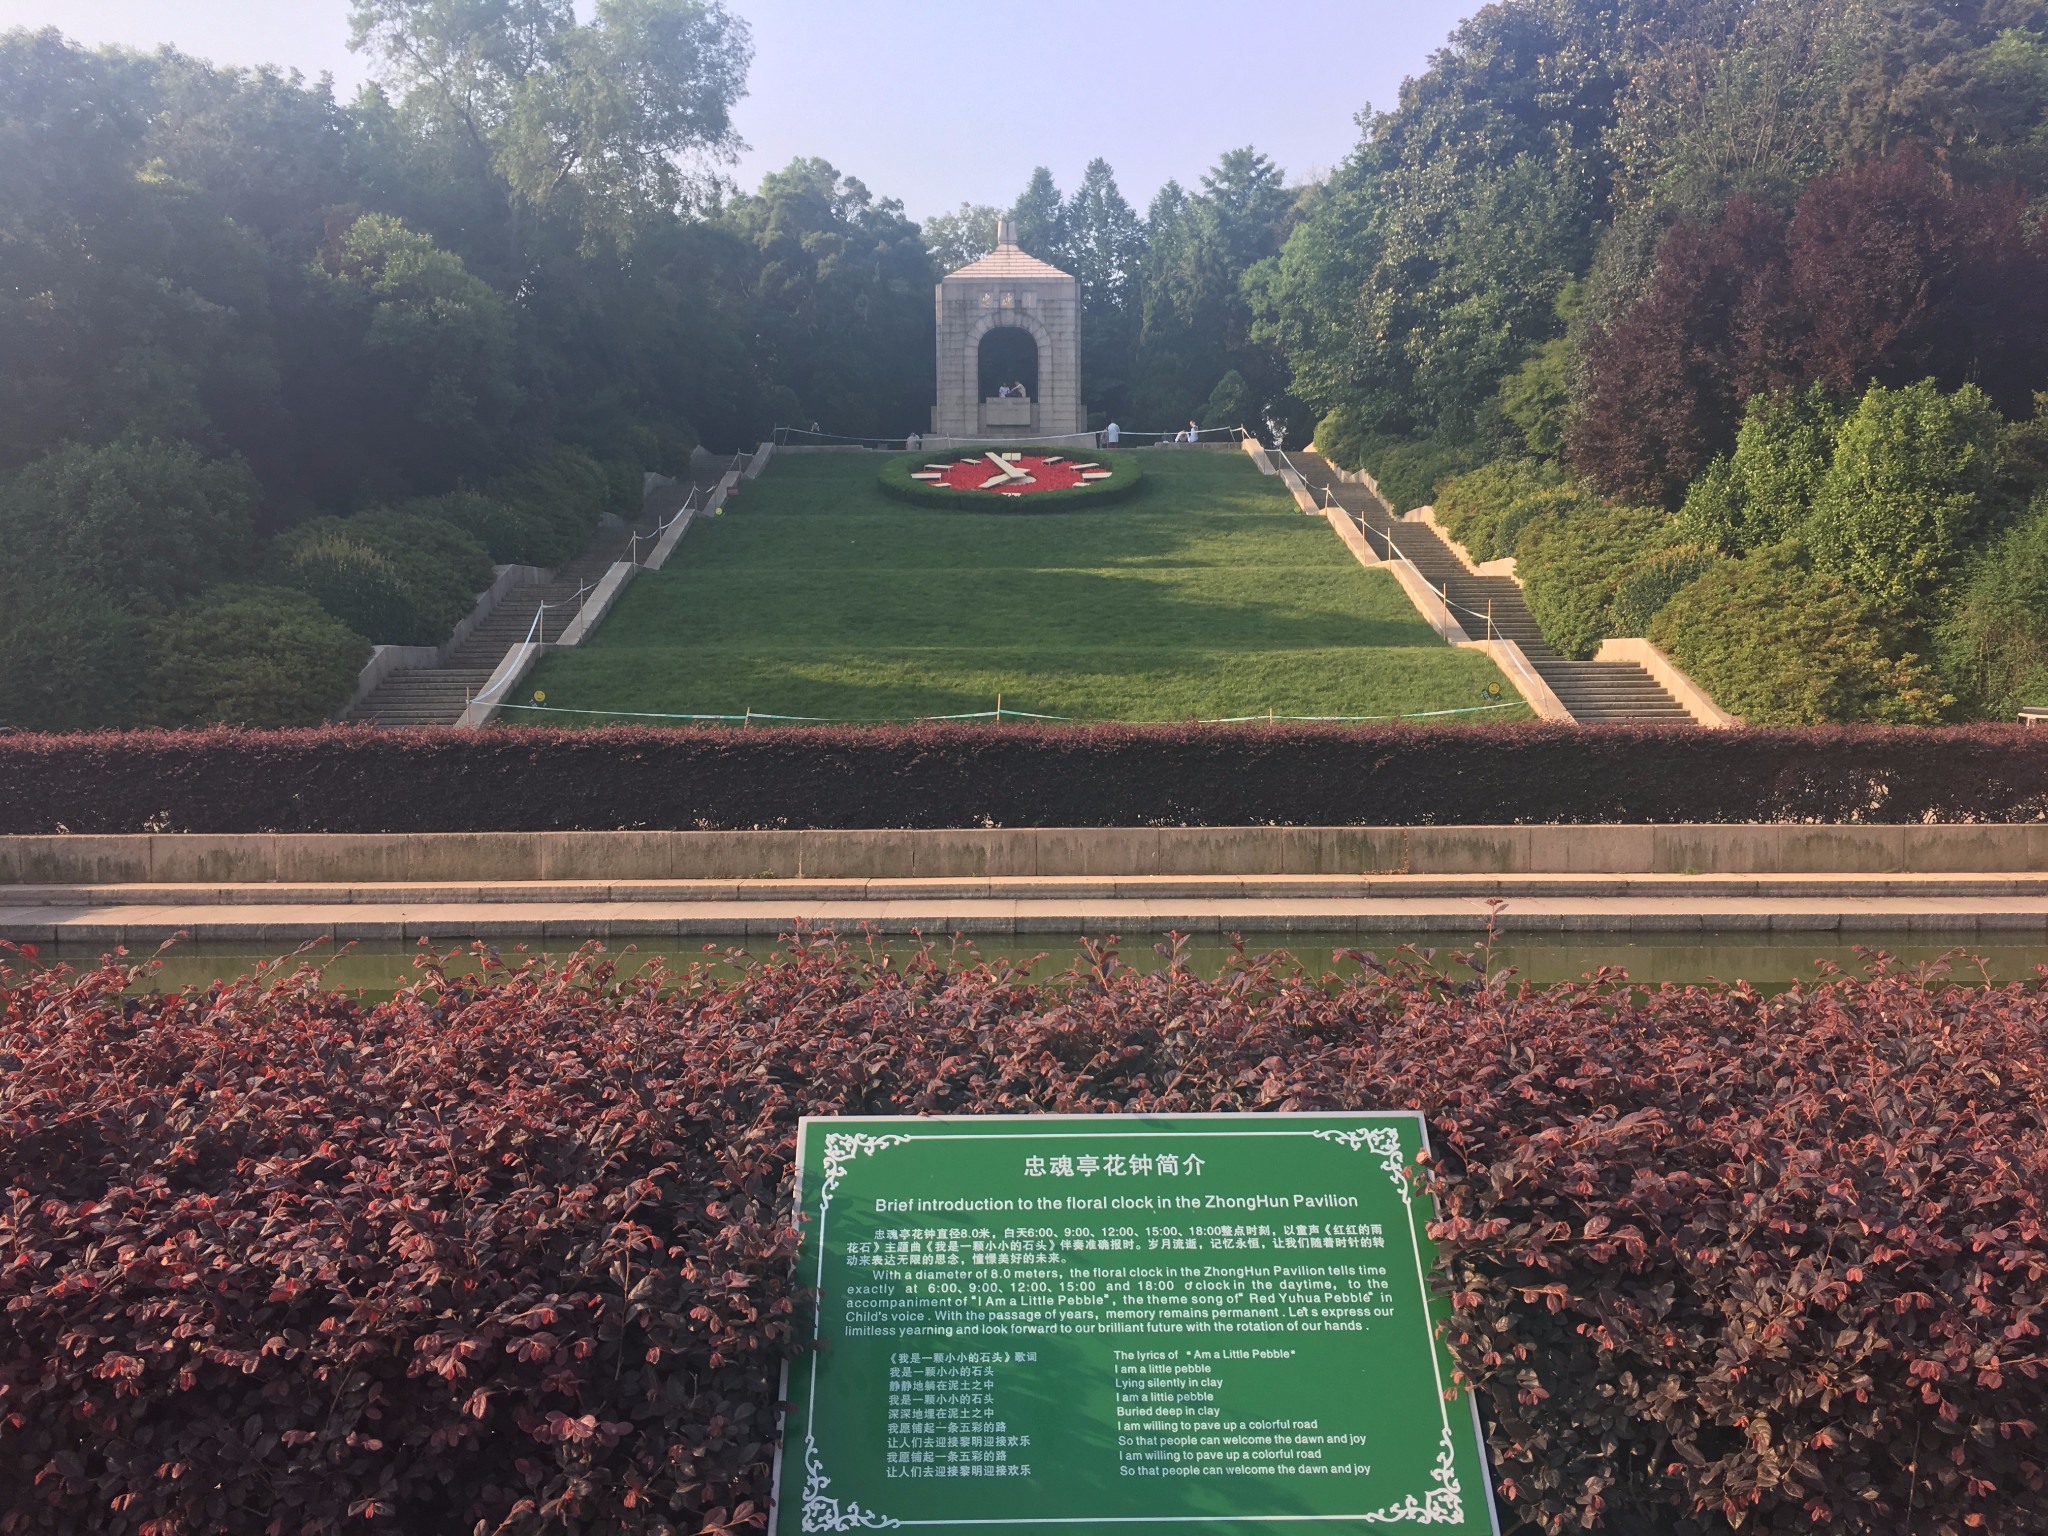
{"x": 590, "y": 123}
{"x": 1764, "y": 493}
{"x": 1106, "y": 243}
{"x": 151, "y": 522}
{"x": 1197, "y": 320}
{"x": 1305, "y": 303}
{"x": 966, "y": 234}
{"x": 419, "y": 383}
{"x": 1902, "y": 500}
{"x": 1041, "y": 219}
{"x": 1882, "y": 274}
{"x": 1667, "y": 377}
{"x": 841, "y": 308}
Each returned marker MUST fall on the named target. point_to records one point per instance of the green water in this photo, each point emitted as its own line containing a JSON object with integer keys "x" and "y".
{"x": 378, "y": 968}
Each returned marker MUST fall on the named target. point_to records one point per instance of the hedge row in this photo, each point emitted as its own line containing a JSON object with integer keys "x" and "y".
{"x": 357, "y": 779}
{"x": 513, "y": 1255}
{"x": 1127, "y": 474}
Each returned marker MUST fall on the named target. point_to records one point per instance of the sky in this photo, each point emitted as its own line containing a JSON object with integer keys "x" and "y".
{"x": 937, "y": 102}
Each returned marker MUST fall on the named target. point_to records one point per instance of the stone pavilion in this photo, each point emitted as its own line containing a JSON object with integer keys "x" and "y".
{"x": 1008, "y": 320}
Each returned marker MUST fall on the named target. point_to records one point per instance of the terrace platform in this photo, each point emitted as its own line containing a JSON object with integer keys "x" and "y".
{"x": 1959, "y": 880}
{"x": 1961, "y": 905}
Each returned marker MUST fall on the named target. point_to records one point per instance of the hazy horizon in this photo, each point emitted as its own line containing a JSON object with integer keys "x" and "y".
{"x": 922, "y": 107}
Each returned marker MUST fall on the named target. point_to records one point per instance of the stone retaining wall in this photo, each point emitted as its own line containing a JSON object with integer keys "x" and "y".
{"x": 1025, "y": 852}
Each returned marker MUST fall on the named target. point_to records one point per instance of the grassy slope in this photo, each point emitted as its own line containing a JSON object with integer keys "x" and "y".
{"x": 1207, "y": 595}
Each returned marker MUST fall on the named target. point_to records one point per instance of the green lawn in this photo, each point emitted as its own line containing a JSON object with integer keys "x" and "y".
{"x": 1206, "y": 595}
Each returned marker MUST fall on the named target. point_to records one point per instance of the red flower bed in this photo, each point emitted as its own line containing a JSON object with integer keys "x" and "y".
{"x": 1040, "y": 473}
{"x": 513, "y": 1256}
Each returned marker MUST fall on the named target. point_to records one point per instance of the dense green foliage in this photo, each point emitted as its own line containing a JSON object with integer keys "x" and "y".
{"x": 261, "y": 656}
{"x": 1205, "y": 595}
{"x": 148, "y": 522}
{"x": 1778, "y": 643}
{"x": 1486, "y": 509}
{"x": 1780, "y": 264}
{"x": 1994, "y": 645}
{"x": 1571, "y": 562}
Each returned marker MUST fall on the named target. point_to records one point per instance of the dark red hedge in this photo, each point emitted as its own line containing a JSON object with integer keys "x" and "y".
{"x": 521, "y": 779}
{"x": 513, "y": 1256}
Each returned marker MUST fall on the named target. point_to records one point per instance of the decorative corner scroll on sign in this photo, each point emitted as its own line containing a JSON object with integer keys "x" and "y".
{"x": 841, "y": 1148}
{"x": 824, "y": 1513}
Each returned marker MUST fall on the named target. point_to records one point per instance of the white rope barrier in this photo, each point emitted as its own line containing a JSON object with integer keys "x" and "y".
{"x": 660, "y": 529}
{"x": 536, "y": 629}
{"x": 1271, "y": 717}
{"x": 1096, "y": 439}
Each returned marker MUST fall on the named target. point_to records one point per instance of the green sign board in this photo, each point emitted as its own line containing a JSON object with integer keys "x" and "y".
{"x": 1095, "y": 1324}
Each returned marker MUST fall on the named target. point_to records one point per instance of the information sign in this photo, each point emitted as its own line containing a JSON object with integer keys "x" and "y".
{"x": 1096, "y": 1324}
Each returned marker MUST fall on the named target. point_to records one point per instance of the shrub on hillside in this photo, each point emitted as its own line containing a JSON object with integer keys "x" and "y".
{"x": 1993, "y": 647}
{"x": 1778, "y": 643}
{"x": 1649, "y": 585}
{"x": 515, "y": 1253}
{"x": 1555, "y": 501}
{"x": 69, "y": 657}
{"x": 1229, "y": 403}
{"x": 1408, "y": 470}
{"x": 563, "y": 497}
{"x": 439, "y": 569}
{"x": 509, "y": 535}
{"x": 261, "y": 656}
{"x": 1571, "y": 563}
{"x": 1764, "y": 493}
{"x": 355, "y": 584}
{"x": 1892, "y": 269}
{"x": 1537, "y": 397}
{"x": 1902, "y": 499}
{"x": 1472, "y": 506}
{"x": 144, "y": 520}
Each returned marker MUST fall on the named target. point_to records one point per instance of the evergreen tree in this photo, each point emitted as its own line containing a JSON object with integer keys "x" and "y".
{"x": 1106, "y": 240}
{"x": 1042, "y": 221}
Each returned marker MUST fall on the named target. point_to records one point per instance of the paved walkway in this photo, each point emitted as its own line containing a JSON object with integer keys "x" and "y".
{"x": 1957, "y": 905}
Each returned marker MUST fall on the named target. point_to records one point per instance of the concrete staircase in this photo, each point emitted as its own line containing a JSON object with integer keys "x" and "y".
{"x": 1592, "y": 691}
{"x": 439, "y": 695}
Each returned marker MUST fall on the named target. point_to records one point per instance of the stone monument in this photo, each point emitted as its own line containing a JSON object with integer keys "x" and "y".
{"x": 1005, "y": 321}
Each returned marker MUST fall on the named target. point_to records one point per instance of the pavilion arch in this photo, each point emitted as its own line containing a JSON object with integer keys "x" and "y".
{"x": 1007, "y": 289}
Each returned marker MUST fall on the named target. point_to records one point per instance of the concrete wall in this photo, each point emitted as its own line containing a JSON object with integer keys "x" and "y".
{"x": 974, "y": 853}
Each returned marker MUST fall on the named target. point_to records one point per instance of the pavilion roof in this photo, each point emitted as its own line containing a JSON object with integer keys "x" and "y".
{"x": 1007, "y": 261}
